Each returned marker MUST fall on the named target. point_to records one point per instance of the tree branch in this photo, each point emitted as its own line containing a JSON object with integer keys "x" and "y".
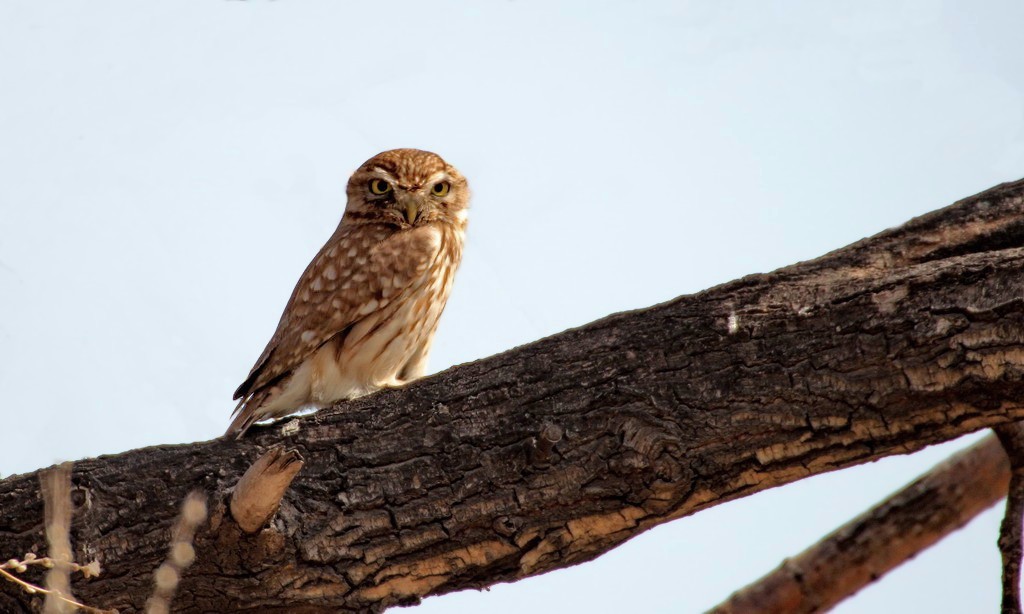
{"x": 896, "y": 342}
{"x": 1011, "y": 436}
{"x": 879, "y": 540}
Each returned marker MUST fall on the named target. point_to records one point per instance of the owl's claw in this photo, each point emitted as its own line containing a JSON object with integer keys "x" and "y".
{"x": 395, "y": 383}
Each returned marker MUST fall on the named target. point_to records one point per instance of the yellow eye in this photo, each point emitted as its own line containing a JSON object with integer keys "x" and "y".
{"x": 379, "y": 186}
{"x": 441, "y": 189}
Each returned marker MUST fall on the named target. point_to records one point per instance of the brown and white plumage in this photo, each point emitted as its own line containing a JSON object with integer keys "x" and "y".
{"x": 364, "y": 312}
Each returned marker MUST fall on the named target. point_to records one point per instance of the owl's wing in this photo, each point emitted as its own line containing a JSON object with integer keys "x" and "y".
{"x": 358, "y": 268}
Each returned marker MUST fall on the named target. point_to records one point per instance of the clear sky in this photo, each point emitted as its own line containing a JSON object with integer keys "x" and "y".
{"x": 167, "y": 169}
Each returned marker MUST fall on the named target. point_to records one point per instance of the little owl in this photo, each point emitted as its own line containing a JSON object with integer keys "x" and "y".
{"x": 364, "y": 312}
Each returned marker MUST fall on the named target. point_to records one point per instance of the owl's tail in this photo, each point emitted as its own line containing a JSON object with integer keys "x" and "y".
{"x": 247, "y": 412}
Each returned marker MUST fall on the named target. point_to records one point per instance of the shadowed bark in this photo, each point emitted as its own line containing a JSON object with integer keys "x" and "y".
{"x": 906, "y": 339}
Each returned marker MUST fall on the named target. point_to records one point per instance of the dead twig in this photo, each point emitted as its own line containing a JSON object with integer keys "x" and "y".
{"x": 56, "y": 486}
{"x": 181, "y": 555}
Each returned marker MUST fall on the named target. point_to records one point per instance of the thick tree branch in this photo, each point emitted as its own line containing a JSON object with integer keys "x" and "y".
{"x": 879, "y": 540}
{"x": 899, "y": 341}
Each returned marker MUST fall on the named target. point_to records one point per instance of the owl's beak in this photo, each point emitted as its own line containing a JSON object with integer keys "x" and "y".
{"x": 412, "y": 209}
{"x": 409, "y": 205}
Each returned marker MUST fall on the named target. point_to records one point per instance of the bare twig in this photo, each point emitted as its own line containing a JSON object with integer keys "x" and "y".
{"x": 261, "y": 488}
{"x": 181, "y": 555}
{"x": 874, "y": 543}
{"x": 56, "y": 487}
{"x": 1012, "y": 438}
{"x": 20, "y": 566}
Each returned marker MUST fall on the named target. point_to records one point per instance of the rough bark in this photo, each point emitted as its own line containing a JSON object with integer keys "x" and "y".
{"x": 896, "y": 342}
{"x": 879, "y": 540}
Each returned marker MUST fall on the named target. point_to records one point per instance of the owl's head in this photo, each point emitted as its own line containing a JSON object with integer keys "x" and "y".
{"x": 405, "y": 188}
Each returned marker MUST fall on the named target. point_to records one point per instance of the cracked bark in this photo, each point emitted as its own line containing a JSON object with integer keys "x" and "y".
{"x": 896, "y": 342}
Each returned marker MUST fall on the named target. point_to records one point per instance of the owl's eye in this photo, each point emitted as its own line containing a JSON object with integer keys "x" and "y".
{"x": 379, "y": 186}
{"x": 441, "y": 189}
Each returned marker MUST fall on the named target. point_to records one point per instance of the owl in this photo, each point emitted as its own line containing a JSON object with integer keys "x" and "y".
{"x": 363, "y": 314}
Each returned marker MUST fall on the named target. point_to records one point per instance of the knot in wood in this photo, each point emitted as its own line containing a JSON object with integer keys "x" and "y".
{"x": 647, "y": 440}
{"x": 544, "y": 443}
{"x": 80, "y": 496}
{"x": 506, "y": 525}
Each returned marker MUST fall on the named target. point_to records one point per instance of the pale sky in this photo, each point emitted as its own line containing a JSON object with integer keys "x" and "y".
{"x": 169, "y": 168}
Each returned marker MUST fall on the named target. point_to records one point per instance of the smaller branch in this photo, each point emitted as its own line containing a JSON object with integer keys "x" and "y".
{"x": 88, "y": 571}
{"x": 1012, "y": 438}
{"x": 259, "y": 492}
{"x": 181, "y": 555}
{"x": 879, "y": 540}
